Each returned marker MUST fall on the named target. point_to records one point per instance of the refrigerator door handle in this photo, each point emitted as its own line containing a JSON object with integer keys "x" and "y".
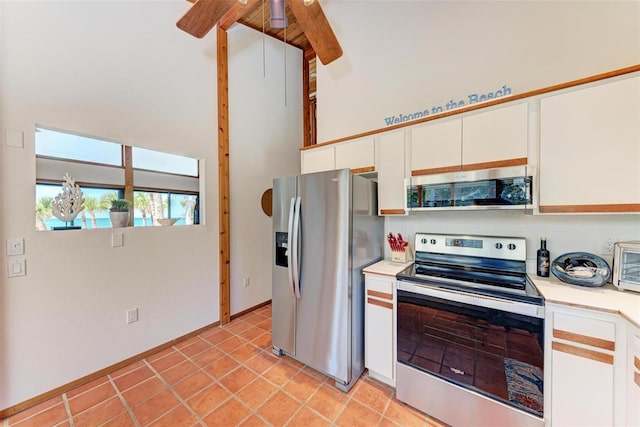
{"x": 296, "y": 248}
{"x": 290, "y": 250}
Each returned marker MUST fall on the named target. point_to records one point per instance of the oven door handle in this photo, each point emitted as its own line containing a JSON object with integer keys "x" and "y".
{"x": 517, "y": 307}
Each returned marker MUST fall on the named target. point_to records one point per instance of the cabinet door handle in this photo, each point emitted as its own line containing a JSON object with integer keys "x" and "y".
{"x": 392, "y": 212}
{"x": 382, "y": 304}
{"x": 583, "y": 352}
{"x": 380, "y": 294}
{"x": 363, "y": 170}
{"x": 584, "y": 339}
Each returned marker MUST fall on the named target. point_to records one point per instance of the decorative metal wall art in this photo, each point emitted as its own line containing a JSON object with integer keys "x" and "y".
{"x": 68, "y": 204}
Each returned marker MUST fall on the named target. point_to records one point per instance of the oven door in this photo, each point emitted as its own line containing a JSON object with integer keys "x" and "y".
{"x": 462, "y": 357}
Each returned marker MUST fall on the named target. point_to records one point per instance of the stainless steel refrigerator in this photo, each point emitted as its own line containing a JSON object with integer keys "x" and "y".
{"x": 325, "y": 231}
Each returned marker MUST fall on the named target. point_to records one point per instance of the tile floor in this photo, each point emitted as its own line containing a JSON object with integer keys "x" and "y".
{"x": 225, "y": 376}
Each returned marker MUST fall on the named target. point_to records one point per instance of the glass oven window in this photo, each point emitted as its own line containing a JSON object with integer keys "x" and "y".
{"x": 471, "y": 346}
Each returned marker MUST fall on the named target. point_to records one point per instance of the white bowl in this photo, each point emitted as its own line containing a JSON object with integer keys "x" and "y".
{"x": 166, "y": 221}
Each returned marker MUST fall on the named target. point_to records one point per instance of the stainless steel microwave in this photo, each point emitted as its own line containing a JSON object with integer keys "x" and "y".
{"x": 501, "y": 188}
{"x": 626, "y": 266}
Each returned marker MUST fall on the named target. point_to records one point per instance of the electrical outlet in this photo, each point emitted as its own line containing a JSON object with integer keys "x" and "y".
{"x": 246, "y": 282}
{"x": 132, "y": 315}
{"x": 607, "y": 245}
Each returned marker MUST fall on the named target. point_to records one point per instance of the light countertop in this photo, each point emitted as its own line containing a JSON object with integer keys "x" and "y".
{"x": 606, "y": 298}
{"x": 386, "y": 268}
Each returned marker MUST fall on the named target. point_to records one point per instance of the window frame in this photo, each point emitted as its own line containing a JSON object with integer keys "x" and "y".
{"x": 128, "y": 188}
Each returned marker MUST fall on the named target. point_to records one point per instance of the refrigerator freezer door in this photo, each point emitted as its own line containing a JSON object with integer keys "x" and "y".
{"x": 323, "y": 312}
{"x": 283, "y": 302}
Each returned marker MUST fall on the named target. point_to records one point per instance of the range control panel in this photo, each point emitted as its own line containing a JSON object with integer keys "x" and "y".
{"x": 499, "y": 247}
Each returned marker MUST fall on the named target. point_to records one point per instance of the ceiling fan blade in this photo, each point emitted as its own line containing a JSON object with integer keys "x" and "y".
{"x": 203, "y": 16}
{"x": 317, "y": 29}
{"x": 236, "y": 12}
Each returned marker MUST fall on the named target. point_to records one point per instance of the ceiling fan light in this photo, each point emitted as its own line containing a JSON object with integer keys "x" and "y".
{"x": 308, "y": 2}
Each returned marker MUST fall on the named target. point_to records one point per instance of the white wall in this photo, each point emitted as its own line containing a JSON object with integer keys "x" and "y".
{"x": 405, "y": 56}
{"x": 265, "y": 134}
{"x": 2, "y": 235}
{"x": 123, "y": 71}
{"x": 565, "y": 233}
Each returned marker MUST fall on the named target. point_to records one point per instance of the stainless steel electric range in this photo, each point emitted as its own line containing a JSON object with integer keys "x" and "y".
{"x": 470, "y": 332}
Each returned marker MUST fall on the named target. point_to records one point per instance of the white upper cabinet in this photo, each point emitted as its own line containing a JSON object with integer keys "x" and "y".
{"x": 391, "y": 173}
{"x": 318, "y": 159}
{"x": 357, "y": 155}
{"x": 590, "y": 149}
{"x": 495, "y": 138}
{"x": 436, "y": 147}
{"x": 482, "y": 140}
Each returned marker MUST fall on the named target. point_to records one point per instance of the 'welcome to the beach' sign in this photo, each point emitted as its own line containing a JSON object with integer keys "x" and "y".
{"x": 450, "y": 105}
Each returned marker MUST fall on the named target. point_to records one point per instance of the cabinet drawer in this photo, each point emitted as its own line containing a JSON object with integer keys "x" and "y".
{"x": 379, "y": 288}
{"x": 595, "y": 329}
{"x": 380, "y": 292}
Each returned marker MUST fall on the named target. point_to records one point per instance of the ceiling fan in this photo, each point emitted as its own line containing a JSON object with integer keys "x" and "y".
{"x": 205, "y": 14}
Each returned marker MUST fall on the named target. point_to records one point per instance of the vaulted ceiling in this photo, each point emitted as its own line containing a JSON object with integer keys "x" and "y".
{"x": 258, "y": 19}
{"x": 308, "y": 28}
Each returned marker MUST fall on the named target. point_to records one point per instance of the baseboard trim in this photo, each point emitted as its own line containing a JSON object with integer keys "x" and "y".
{"x": 250, "y": 309}
{"x": 12, "y": 410}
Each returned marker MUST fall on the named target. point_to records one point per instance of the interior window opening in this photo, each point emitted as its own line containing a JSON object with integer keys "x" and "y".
{"x": 162, "y": 188}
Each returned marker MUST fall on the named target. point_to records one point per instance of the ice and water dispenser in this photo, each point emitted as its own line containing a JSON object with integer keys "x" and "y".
{"x": 282, "y": 248}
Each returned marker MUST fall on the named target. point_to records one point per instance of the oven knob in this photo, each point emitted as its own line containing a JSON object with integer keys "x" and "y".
{"x": 423, "y": 241}
{"x": 511, "y": 246}
{"x": 498, "y": 245}
{"x": 432, "y": 241}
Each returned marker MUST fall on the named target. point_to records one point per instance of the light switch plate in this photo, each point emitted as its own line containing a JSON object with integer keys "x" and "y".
{"x": 15, "y": 247}
{"x": 16, "y": 268}
{"x": 14, "y": 138}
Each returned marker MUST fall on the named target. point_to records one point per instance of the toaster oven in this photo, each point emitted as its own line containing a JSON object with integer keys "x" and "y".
{"x": 626, "y": 266}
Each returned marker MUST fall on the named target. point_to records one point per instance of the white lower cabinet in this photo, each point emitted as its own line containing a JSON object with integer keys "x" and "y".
{"x": 380, "y": 325}
{"x": 633, "y": 378}
{"x": 584, "y": 368}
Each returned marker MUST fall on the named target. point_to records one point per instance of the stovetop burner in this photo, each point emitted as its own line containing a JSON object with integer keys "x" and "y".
{"x": 488, "y": 265}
